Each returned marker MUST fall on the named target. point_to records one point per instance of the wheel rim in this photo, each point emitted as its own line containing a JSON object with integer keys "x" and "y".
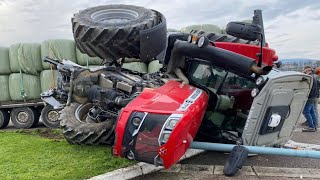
{"x": 53, "y": 116}
{"x": 22, "y": 117}
{"x": 82, "y": 111}
{"x": 114, "y": 16}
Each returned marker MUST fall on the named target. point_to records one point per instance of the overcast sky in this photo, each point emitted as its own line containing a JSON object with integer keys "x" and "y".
{"x": 292, "y": 27}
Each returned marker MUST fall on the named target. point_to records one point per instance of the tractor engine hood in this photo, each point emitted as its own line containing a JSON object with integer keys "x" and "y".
{"x": 159, "y": 125}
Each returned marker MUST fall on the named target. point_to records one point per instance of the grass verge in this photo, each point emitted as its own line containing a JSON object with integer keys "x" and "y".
{"x": 44, "y": 154}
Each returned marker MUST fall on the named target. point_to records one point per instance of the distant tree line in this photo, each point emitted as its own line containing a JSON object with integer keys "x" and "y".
{"x": 298, "y": 64}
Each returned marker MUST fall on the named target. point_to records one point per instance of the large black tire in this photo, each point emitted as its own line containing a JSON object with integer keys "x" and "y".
{"x": 215, "y": 37}
{"x": 23, "y": 117}
{"x": 77, "y": 131}
{"x": 112, "y": 31}
{"x": 4, "y": 118}
{"x": 50, "y": 117}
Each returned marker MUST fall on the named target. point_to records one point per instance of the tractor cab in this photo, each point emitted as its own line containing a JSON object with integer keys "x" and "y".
{"x": 229, "y": 104}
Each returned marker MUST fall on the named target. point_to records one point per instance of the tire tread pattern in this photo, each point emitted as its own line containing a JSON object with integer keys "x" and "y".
{"x": 78, "y": 132}
{"x": 111, "y": 41}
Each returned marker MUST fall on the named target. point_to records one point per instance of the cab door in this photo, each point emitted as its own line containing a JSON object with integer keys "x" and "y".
{"x": 277, "y": 108}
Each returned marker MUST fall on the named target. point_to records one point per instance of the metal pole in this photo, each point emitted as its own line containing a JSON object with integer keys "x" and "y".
{"x": 257, "y": 19}
{"x": 257, "y": 150}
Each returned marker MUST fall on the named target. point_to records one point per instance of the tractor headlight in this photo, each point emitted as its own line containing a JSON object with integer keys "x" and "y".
{"x": 255, "y": 92}
{"x": 168, "y": 126}
{"x": 172, "y": 121}
{"x": 189, "y": 40}
{"x": 260, "y": 80}
{"x": 165, "y": 136}
{"x": 203, "y": 41}
{"x": 193, "y": 39}
{"x": 136, "y": 121}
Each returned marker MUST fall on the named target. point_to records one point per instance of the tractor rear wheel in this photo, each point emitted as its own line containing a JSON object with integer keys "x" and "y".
{"x": 112, "y": 31}
{"x": 78, "y": 130}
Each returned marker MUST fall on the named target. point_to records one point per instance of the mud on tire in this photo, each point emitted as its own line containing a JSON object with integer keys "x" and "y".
{"x": 78, "y": 131}
{"x": 112, "y": 31}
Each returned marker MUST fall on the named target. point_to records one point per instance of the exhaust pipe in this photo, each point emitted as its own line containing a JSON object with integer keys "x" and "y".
{"x": 217, "y": 56}
{"x": 260, "y": 70}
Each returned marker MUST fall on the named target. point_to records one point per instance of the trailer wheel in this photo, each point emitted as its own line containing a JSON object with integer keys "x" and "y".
{"x": 4, "y": 118}
{"x": 23, "y": 117}
{"x": 78, "y": 130}
{"x": 50, "y": 117}
{"x": 112, "y": 31}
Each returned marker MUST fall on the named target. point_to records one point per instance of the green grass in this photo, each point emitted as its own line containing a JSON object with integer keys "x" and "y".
{"x": 44, "y": 154}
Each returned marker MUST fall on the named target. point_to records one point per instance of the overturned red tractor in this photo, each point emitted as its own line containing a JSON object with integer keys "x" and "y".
{"x": 212, "y": 87}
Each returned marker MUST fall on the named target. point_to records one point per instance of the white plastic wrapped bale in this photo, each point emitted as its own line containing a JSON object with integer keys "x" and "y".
{"x": 48, "y": 79}
{"x": 202, "y": 27}
{"x": 25, "y": 57}
{"x": 29, "y": 83}
{"x": 4, "y": 88}
{"x": 4, "y": 61}
{"x": 154, "y": 66}
{"x": 58, "y": 49}
{"x": 136, "y": 66}
{"x": 84, "y": 59}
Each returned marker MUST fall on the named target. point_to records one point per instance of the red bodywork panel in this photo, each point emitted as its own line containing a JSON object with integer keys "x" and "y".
{"x": 171, "y": 98}
{"x": 269, "y": 55}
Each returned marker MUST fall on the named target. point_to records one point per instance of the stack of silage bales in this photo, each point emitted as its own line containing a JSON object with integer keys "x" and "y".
{"x": 135, "y": 66}
{"x": 85, "y": 60}
{"x": 25, "y": 63}
{"x": 24, "y": 73}
{"x": 154, "y": 66}
{"x": 4, "y": 74}
{"x": 209, "y": 28}
{"x": 29, "y": 74}
{"x": 56, "y": 49}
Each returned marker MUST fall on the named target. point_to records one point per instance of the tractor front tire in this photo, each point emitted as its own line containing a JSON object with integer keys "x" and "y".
{"x": 77, "y": 130}
{"x": 112, "y": 31}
